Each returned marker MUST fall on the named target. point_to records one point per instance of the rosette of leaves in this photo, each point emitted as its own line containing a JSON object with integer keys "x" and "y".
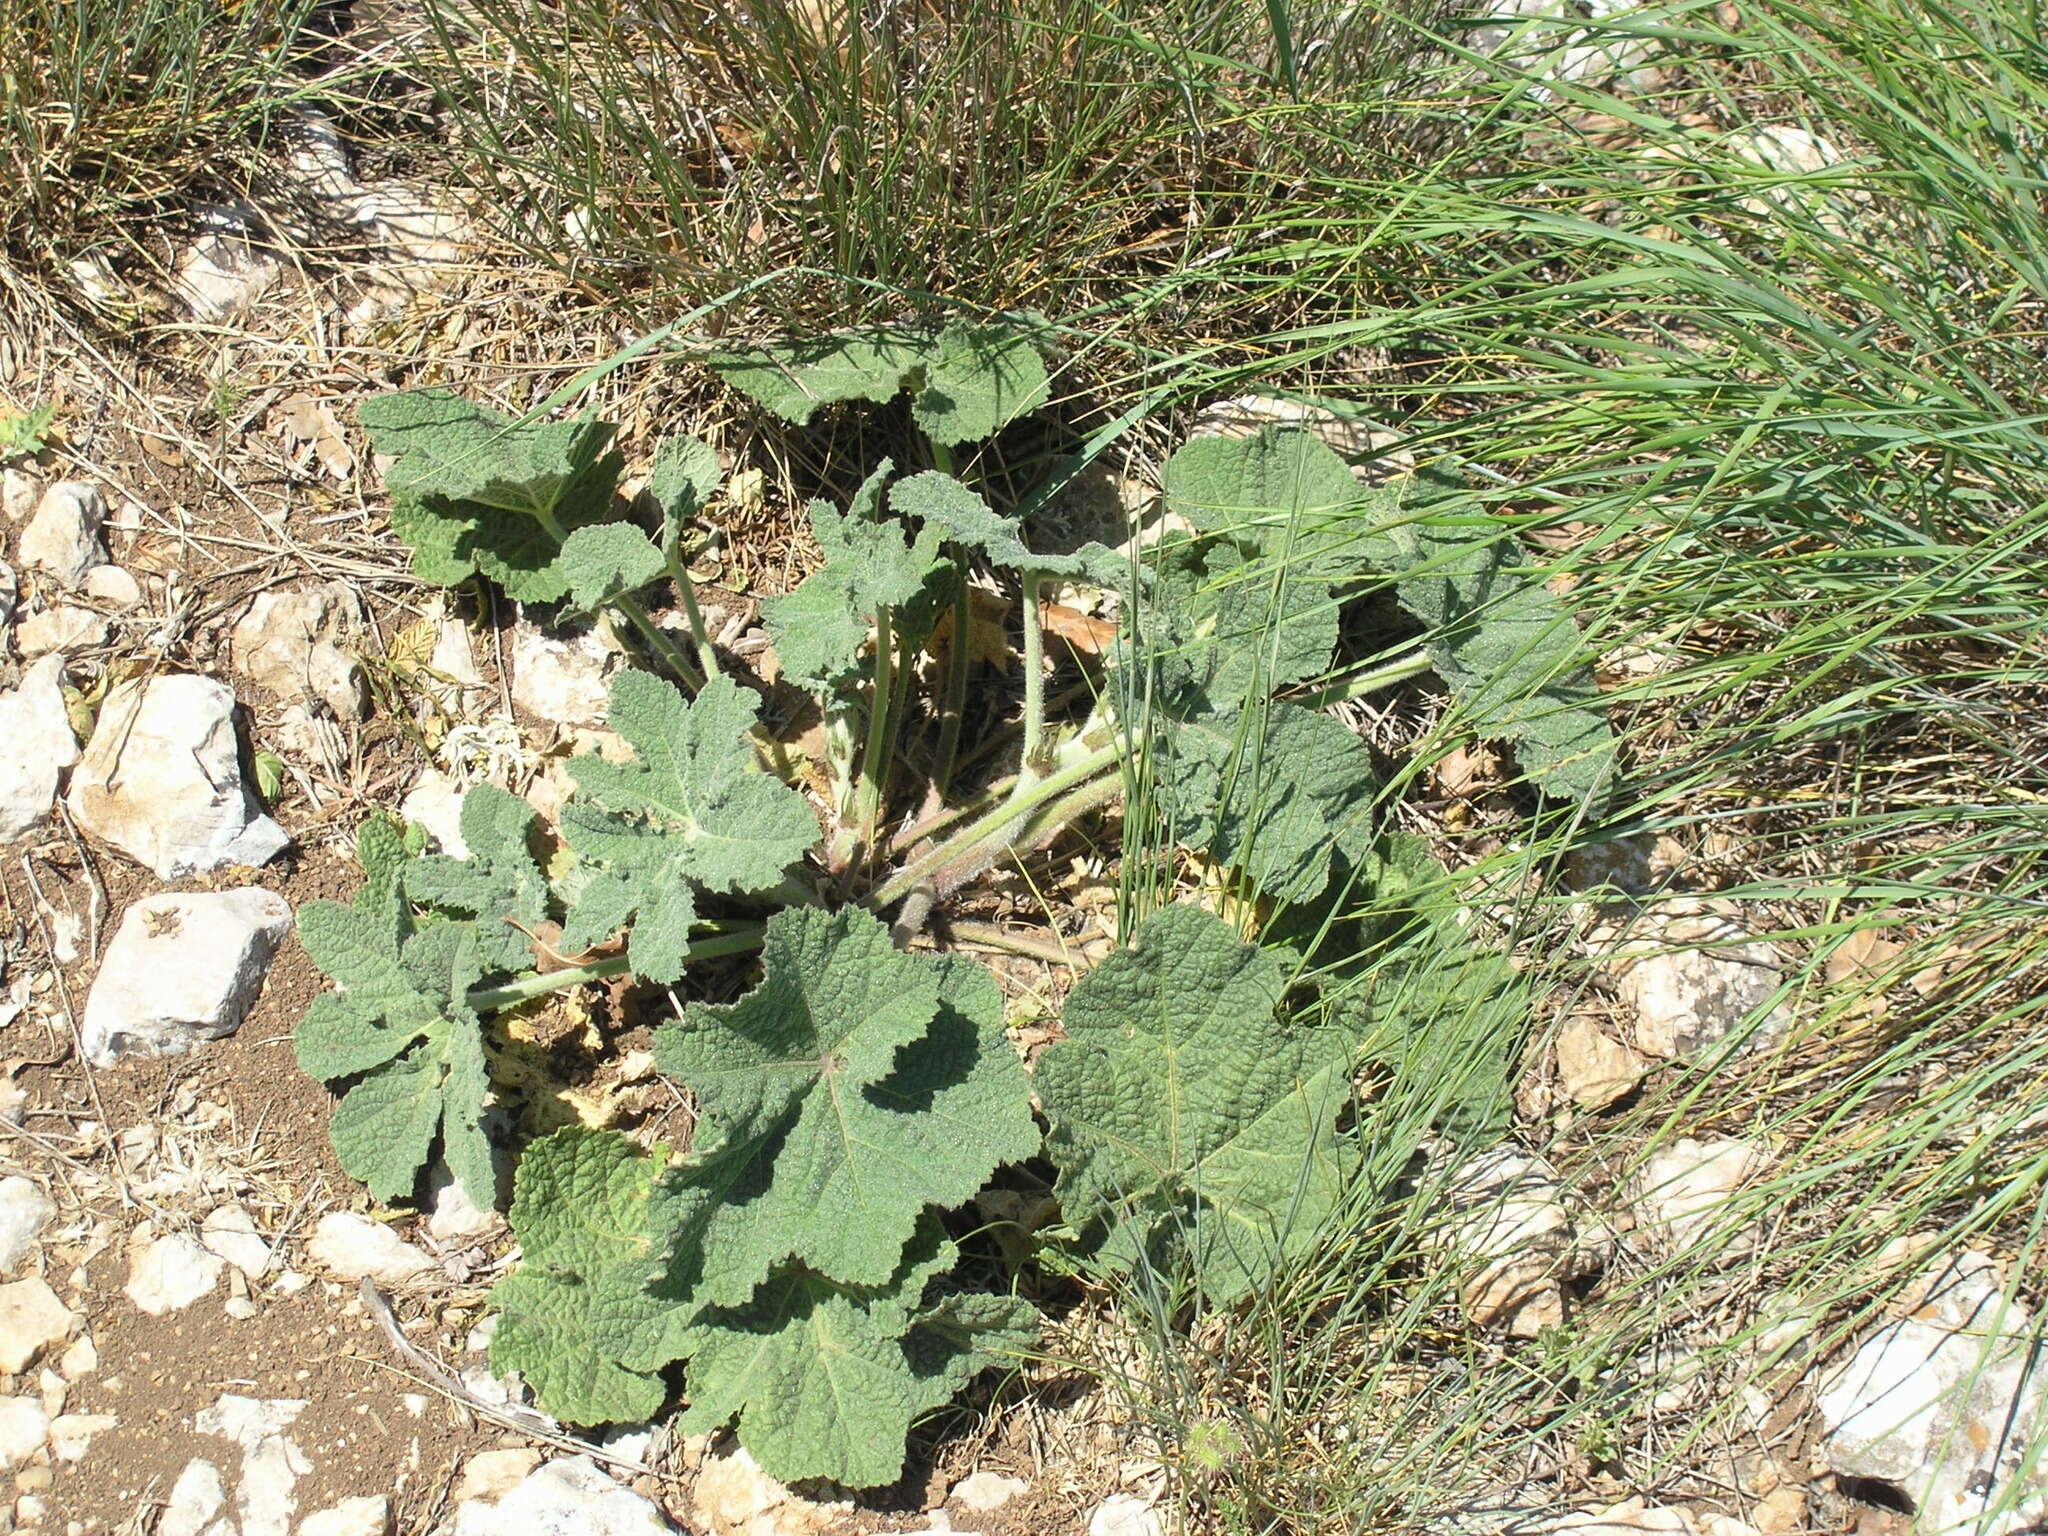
{"x": 476, "y": 491}
{"x": 793, "y": 1260}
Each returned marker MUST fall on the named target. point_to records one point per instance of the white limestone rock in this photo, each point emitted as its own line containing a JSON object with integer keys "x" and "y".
{"x": 223, "y": 274}
{"x": 1125, "y": 1514}
{"x": 197, "y": 1499}
{"x": 161, "y": 780}
{"x": 10, "y": 599}
{"x": 20, "y": 491}
{"x": 170, "y": 1273}
{"x": 65, "y": 538}
{"x": 1699, "y": 982}
{"x": 184, "y": 968}
{"x": 113, "y": 586}
{"x": 436, "y": 804}
{"x": 24, "y": 1427}
{"x": 63, "y": 629}
{"x": 357, "y": 1248}
{"x": 24, "y": 1209}
{"x": 1689, "y": 1195}
{"x": 1593, "y": 1067}
{"x": 1947, "y": 1404}
{"x": 36, "y": 746}
{"x": 1519, "y": 1234}
{"x": 31, "y": 1319}
{"x": 365, "y": 1515}
{"x": 291, "y": 643}
{"x": 566, "y": 680}
{"x": 570, "y": 1496}
{"x": 229, "y": 1232}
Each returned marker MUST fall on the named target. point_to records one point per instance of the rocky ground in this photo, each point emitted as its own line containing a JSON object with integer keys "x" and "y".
{"x": 215, "y": 664}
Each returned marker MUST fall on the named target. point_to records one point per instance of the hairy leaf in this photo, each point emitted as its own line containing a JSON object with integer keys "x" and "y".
{"x": 608, "y": 560}
{"x": 385, "y": 1125}
{"x": 1194, "y": 1125}
{"x": 685, "y": 477}
{"x": 1285, "y": 496}
{"x": 1510, "y": 652}
{"x": 855, "y": 1088}
{"x": 1272, "y": 789}
{"x": 821, "y": 627}
{"x": 977, "y": 380}
{"x": 826, "y": 1380}
{"x": 1224, "y": 630}
{"x": 473, "y": 490}
{"x": 690, "y": 811}
{"x": 500, "y": 884}
{"x": 943, "y": 503}
{"x": 587, "y": 1316}
{"x": 795, "y": 378}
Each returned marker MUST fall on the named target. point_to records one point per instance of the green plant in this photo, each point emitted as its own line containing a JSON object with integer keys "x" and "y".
{"x": 796, "y": 1257}
{"x": 27, "y": 433}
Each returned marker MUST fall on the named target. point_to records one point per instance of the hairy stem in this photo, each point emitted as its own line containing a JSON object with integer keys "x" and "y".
{"x": 875, "y": 756}
{"x": 992, "y": 830}
{"x": 1034, "y": 679}
{"x": 656, "y": 638}
{"x": 958, "y": 660}
{"x": 489, "y": 999}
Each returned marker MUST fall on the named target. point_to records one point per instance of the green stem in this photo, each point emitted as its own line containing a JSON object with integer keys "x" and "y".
{"x": 651, "y": 632}
{"x": 1034, "y": 679}
{"x": 706, "y": 656}
{"x": 958, "y": 661}
{"x": 1411, "y": 665}
{"x": 490, "y": 999}
{"x": 1029, "y": 796}
{"x": 874, "y": 757}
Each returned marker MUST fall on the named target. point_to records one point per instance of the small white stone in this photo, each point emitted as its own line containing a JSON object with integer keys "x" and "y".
{"x": 490, "y": 1475}
{"x": 436, "y": 804}
{"x": 13, "y": 1102}
{"x": 220, "y": 275}
{"x": 271, "y": 1463}
{"x": 24, "y": 1209}
{"x": 31, "y": 1319}
{"x": 292, "y": 644}
{"x": 1593, "y": 1067}
{"x": 10, "y": 598}
{"x": 196, "y": 1500}
{"x": 71, "y": 1434}
{"x": 81, "y": 1359}
{"x": 357, "y": 1248}
{"x": 171, "y": 1273}
{"x": 183, "y": 968}
{"x": 1125, "y": 1514}
{"x": 568, "y": 1495}
{"x": 985, "y": 1491}
{"x": 452, "y": 1215}
{"x": 161, "y": 780}
{"x": 566, "y": 680}
{"x": 24, "y": 1426}
{"x": 230, "y": 1232}
{"x": 113, "y": 586}
{"x": 60, "y": 631}
{"x": 365, "y": 1515}
{"x": 1687, "y": 1192}
{"x": 1514, "y": 1224}
{"x": 64, "y": 538}
{"x": 36, "y": 746}
{"x": 20, "y": 490}
{"x": 1696, "y": 978}
{"x": 30, "y": 1512}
